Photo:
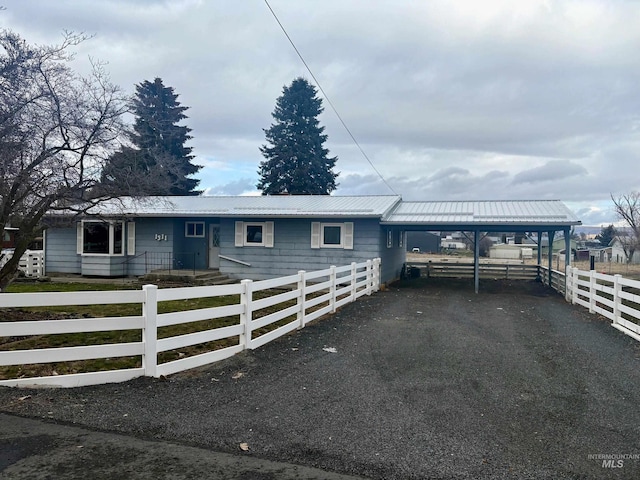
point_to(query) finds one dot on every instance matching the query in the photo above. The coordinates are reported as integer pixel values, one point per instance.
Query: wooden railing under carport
(505, 271)
(466, 270)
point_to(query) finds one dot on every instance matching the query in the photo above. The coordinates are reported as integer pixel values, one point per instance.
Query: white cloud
(450, 99)
(551, 171)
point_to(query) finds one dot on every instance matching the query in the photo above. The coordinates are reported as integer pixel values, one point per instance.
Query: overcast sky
(451, 100)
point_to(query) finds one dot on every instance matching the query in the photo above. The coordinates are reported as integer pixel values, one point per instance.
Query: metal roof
(500, 212)
(391, 209)
(261, 206)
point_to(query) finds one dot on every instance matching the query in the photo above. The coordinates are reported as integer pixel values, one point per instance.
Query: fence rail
(612, 296)
(553, 278)
(298, 299)
(170, 261)
(466, 270)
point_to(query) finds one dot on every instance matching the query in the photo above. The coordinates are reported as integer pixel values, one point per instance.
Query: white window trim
(346, 235)
(389, 238)
(267, 234)
(80, 239)
(195, 224)
(332, 245)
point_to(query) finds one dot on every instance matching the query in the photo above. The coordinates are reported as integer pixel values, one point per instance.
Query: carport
(512, 216)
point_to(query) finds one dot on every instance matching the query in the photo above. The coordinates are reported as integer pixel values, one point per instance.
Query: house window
(332, 235)
(254, 234)
(194, 229)
(389, 238)
(101, 238)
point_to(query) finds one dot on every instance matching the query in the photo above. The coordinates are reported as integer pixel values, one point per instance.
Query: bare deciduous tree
(56, 131)
(627, 208)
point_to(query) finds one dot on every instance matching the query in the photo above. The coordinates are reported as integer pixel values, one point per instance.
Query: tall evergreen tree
(296, 161)
(158, 145)
(606, 235)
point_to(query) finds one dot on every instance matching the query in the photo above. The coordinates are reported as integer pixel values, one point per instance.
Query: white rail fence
(612, 296)
(303, 297)
(31, 262)
(552, 278)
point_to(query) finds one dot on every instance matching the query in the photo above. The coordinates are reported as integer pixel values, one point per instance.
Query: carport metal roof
(486, 216)
(529, 215)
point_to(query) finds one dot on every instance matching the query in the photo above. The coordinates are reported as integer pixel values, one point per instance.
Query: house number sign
(161, 237)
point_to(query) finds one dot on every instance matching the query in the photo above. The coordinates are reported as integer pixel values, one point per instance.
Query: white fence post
(353, 281)
(332, 288)
(592, 291)
(376, 274)
(567, 283)
(616, 297)
(37, 262)
(150, 332)
(369, 277)
(302, 297)
(31, 262)
(246, 299)
(574, 284)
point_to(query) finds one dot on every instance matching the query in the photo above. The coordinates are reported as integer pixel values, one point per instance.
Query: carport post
(539, 252)
(567, 248)
(552, 233)
(476, 259)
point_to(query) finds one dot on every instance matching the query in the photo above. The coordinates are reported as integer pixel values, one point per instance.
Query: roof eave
(458, 225)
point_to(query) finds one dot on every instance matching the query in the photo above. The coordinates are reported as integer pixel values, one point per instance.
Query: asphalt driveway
(425, 381)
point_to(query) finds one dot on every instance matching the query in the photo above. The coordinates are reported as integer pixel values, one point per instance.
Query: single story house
(259, 237)
(600, 254)
(558, 244)
(254, 237)
(618, 254)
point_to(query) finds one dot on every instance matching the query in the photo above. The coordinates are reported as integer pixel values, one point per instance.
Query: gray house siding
(60, 253)
(292, 250)
(154, 245)
(190, 252)
(103, 266)
(153, 249)
(160, 243)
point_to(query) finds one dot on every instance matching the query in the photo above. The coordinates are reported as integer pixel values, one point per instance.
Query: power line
(327, 98)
